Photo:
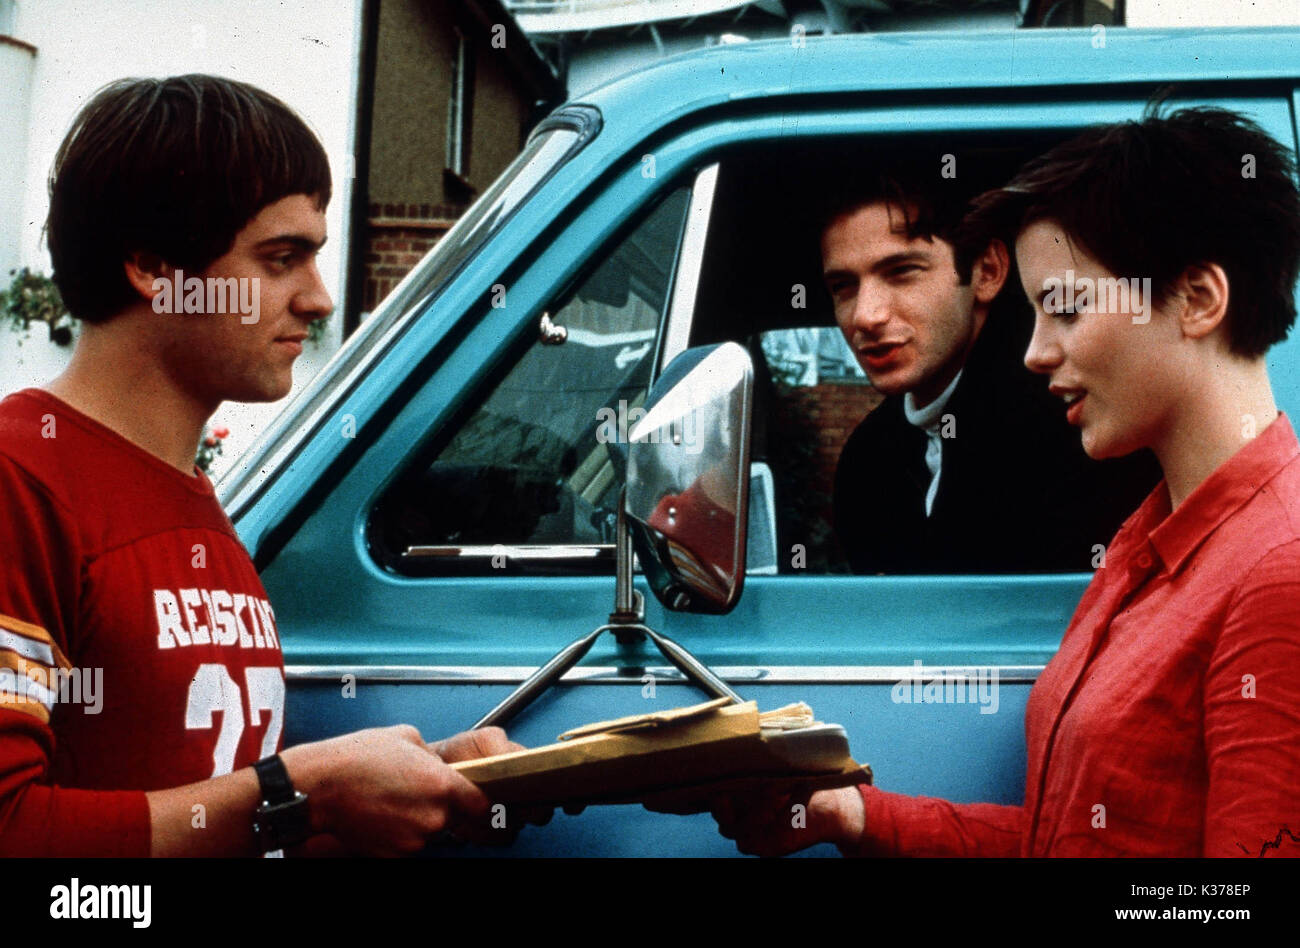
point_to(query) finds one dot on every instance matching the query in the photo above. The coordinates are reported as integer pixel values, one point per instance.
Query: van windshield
(292, 427)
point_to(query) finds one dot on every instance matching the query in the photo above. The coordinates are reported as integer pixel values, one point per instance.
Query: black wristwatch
(282, 819)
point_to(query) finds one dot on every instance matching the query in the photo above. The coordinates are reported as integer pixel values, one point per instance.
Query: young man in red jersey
(123, 586)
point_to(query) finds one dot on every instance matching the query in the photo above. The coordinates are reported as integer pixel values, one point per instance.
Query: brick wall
(807, 429)
(829, 413)
(398, 237)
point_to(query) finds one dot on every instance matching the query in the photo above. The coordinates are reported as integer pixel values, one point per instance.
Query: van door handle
(550, 334)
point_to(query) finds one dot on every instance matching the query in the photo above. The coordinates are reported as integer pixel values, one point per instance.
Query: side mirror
(685, 509)
(687, 498)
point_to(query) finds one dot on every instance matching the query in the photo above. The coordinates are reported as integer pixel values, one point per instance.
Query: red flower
(221, 432)
(210, 441)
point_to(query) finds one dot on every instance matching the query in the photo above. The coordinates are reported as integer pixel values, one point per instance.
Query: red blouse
(1168, 723)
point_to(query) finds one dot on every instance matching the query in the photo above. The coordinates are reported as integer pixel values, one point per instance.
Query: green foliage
(316, 330)
(33, 298)
(210, 447)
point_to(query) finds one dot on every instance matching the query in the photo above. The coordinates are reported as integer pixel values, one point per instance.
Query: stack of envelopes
(675, 759)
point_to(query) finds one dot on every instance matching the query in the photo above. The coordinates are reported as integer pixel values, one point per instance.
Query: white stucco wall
(16, 65)
(1213, 13)
(304, 51)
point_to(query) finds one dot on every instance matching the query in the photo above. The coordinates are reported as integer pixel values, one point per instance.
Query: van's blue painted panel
(781, 620)
(948, 750)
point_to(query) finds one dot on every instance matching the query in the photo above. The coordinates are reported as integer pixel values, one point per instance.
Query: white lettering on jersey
(169, 619)
(245, 640)
(223, 616)
(255, 623)
(198, 631)
(213, 690)
(217, 616)
(268, 623)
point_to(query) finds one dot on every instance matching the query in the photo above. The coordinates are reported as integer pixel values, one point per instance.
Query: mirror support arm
(539, 681)
(627, 622)
(629, 605)
(695, 670)
(549, 674)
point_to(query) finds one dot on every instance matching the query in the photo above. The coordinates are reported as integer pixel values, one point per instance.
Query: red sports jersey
(137, 649)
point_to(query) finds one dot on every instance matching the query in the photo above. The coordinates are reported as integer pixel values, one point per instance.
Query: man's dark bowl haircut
(1150, 198)
(173, 167)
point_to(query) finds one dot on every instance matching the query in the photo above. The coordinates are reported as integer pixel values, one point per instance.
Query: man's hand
(381, 792)
(770, 824)
(471, 745)
(501, 824)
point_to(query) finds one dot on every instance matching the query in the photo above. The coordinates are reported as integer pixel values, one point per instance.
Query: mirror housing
(687, 497)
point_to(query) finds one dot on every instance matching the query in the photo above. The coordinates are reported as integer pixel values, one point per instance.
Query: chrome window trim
(606, 675)
(690, 264)
(528, 553)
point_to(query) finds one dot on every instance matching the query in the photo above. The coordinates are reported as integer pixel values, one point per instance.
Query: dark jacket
(1017, 493)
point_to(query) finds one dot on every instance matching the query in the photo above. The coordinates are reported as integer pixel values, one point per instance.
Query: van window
(853, 482)
(527, 476)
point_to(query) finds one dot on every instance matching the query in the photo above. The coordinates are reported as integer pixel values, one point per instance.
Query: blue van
(436, 515)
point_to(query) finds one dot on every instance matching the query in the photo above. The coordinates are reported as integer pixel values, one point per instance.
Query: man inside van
(124, 587)
(969, 464)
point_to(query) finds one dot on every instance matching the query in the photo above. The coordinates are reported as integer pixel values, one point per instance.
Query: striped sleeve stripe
(25, 647)
(30, 641)
(20, 687)
(9, 702)
(28, 657)
(12, 702)
(24, 681)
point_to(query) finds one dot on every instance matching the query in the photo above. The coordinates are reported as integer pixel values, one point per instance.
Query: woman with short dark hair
(1161, 257)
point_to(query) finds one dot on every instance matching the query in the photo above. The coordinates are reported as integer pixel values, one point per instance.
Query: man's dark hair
(1151, 198)
(929, 204)
(173, 167)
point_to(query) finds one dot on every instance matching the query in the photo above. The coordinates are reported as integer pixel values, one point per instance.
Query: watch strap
(273, 777)
(282, 819)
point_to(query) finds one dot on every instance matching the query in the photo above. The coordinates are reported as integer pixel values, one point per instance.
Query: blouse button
(1144, 560)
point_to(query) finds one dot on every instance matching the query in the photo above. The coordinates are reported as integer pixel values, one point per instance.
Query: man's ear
(143, 270)
(989, 271)
(1201, 293)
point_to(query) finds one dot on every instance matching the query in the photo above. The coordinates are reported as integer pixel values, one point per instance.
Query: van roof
(941, 60)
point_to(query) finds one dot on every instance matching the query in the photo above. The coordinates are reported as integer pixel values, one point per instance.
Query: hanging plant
(316, 330)
(210, 447)
(33, 298)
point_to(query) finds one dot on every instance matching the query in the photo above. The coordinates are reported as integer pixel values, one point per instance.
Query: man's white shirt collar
(927, 419)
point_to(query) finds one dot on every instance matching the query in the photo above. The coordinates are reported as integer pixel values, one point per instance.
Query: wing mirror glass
(687, 497)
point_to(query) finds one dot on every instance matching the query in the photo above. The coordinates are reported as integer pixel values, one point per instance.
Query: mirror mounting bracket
(627, 623)
(629, 604)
